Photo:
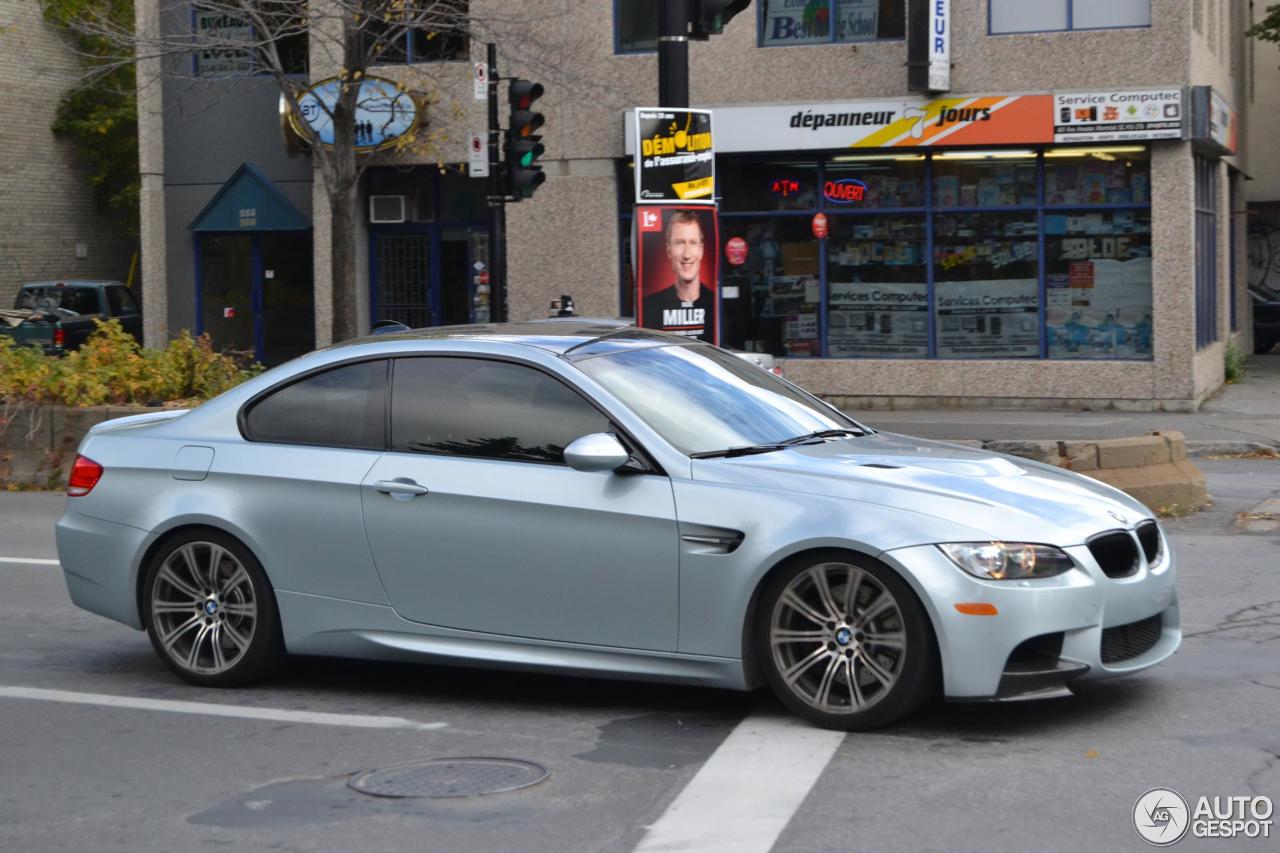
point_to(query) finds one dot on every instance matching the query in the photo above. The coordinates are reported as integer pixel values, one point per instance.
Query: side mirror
(599, 451)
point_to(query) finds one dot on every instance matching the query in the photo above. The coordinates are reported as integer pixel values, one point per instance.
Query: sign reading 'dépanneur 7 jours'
(674, 157)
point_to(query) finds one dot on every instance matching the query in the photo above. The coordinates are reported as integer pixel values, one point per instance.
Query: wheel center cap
(844, 636)
(210, 606)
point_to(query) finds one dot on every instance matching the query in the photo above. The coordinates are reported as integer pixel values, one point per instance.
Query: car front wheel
(844, 643)
(210, 611)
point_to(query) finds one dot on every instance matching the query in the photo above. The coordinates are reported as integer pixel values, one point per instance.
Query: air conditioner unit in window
(386, 209)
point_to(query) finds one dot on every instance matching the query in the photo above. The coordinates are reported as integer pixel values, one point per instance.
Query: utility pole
(497, 202)
(673, 53)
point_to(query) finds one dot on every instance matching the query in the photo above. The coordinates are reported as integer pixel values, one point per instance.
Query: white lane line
(748, 790)
(30, 561)
(213, 709)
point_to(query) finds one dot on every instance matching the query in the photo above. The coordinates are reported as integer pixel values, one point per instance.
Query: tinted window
(120, 301)
(492, 409)
(343, 407)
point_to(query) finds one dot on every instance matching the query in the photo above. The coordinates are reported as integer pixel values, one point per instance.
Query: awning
(249, 201)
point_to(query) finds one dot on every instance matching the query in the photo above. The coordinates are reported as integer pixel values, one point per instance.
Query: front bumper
(1064, 621)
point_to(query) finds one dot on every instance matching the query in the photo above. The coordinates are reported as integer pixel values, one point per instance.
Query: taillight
(60, 337)
(85, 474)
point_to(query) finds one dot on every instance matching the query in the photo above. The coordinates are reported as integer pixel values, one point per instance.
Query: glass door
(226, 290)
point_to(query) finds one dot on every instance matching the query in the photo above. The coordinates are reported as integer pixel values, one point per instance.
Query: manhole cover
(450, 777)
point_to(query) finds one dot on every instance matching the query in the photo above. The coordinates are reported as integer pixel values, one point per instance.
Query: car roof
(560, 335)
(71, 282)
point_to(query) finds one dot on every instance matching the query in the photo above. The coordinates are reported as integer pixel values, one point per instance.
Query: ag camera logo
(1160, 816)
(1163, 817)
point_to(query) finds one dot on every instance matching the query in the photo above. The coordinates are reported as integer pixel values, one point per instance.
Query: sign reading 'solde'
(674, 158)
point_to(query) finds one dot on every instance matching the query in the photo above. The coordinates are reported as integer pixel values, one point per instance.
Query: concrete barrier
(38, 444)
(1152, 468)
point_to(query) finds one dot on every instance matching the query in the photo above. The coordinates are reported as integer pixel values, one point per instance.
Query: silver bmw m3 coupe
(588, 499)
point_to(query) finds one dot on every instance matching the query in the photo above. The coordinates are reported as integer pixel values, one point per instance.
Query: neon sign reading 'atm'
(844, 190)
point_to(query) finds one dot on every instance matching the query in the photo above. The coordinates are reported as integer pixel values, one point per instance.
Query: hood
(1005, 497)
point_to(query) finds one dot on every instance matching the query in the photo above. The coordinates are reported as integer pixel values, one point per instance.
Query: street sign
(478, 164)
(480, 75)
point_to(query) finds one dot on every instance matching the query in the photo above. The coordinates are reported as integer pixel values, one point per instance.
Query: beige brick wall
(46, 204)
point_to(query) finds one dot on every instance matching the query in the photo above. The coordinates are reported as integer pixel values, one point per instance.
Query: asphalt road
(1047, 775)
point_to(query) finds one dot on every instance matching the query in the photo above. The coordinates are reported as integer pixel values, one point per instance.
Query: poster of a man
(677, 270)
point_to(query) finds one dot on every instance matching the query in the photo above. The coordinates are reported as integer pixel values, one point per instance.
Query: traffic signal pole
(497, 202)
(673, 53)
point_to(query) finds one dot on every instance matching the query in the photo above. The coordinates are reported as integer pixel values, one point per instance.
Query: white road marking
(746, 793)
(30, 561)
(213, 709)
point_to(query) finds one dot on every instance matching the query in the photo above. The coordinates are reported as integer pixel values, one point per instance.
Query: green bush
(111, 368)
(1236, 363)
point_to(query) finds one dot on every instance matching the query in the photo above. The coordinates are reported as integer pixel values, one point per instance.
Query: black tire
(849, 654)
(211, 624)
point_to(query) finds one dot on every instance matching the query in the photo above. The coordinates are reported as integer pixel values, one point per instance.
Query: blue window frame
(784, 23)
(1009, 17)
(1059, 238)
(635, 26)
(1206, 178)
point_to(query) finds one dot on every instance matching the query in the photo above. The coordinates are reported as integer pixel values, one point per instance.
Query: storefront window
(877, 287)
(986, 285)
(770, 303)
(756, 185)
(984, 179)
(1119, 175)
(874, 181)
(1098, 284)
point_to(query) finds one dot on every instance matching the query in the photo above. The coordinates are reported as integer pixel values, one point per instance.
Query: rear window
(343, 407)
(67, 301)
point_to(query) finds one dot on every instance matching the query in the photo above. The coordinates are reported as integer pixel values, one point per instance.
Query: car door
(476, 523)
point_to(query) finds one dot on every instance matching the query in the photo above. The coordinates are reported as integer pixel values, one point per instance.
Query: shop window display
(1120, 175)
(770, 302)
(877, 287)
(984, 179)
(1098, 284)
(986, 285)
(767, 185)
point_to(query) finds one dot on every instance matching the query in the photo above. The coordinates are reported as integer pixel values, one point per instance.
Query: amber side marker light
(85, 474)
(977, 608)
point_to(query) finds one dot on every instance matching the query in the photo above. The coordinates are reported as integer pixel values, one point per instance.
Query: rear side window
(490, 409)
(342, 407)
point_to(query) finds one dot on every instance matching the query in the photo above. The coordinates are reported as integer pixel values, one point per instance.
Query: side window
(128, 304)
(115, 306)
(343, 407)
(490, 409)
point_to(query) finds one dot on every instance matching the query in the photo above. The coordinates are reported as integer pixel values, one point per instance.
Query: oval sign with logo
(820, 227)
(736, 251)
(384, 113)
(844, 191)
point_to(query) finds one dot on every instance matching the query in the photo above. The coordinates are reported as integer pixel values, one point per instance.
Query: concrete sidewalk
(1241, 418)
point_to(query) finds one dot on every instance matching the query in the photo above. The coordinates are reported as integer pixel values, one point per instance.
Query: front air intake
(1116, 553)
(1125, 642)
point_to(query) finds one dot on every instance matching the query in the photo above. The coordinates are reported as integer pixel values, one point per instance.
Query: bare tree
(298, 42)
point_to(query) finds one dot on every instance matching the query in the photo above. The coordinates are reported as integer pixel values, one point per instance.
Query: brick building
(49, 228)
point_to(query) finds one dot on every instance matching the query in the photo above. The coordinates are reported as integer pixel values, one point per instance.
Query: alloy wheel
(203, 608)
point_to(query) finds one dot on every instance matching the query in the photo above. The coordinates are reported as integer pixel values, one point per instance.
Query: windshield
(703, 399)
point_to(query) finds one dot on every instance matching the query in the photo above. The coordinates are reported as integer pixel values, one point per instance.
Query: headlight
(1008, 561)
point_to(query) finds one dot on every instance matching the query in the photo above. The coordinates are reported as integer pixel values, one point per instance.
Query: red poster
(676, 262)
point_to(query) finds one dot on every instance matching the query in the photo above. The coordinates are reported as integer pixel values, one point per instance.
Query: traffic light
(523, 146)
(708, 17)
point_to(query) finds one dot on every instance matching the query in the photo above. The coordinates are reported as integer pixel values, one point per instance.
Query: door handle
(400, 487)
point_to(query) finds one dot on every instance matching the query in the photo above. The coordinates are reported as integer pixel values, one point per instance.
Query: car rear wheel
(210, 611)
(844, 643)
